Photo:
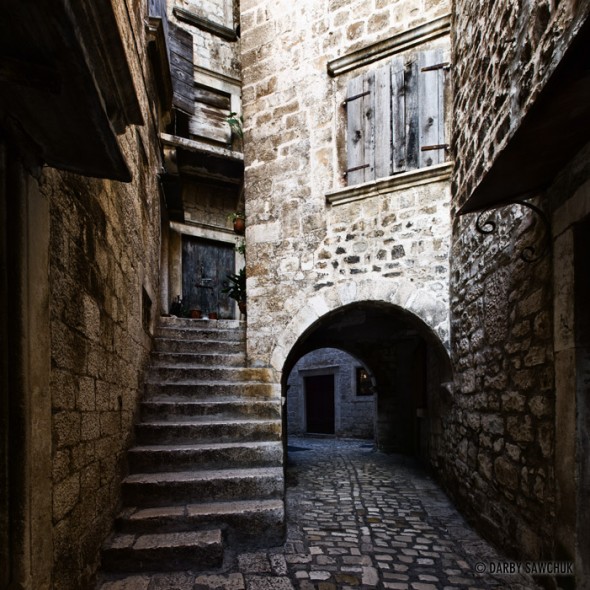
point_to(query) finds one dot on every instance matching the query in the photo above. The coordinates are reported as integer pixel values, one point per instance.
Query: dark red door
(319, 403)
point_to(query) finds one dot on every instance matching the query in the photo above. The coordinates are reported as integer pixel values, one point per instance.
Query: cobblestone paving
(357, 520)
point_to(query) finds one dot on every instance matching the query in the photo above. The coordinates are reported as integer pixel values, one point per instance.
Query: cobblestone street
(357, 519)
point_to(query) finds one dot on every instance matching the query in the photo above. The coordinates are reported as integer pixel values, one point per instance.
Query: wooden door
(319, 403)
(205, 266)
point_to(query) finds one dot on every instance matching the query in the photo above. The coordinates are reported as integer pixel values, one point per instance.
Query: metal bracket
(440, 146)
(354, 97)
(485, 226)
(355, 168)
(442, 66)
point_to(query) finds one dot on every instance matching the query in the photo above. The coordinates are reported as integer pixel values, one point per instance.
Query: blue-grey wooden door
(205, 266)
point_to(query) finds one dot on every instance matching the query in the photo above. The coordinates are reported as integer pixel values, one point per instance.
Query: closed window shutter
(395, 117)
(382, 122)
(431, 87)
(181, 66)
(360, 135)
(398, 116)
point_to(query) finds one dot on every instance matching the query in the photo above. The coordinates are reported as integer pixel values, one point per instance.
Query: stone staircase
(207, 467)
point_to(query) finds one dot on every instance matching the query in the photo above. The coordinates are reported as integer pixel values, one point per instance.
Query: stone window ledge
(397, 182)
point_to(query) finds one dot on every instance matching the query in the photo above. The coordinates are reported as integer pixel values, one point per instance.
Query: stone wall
(510, 419)
(354, 415)
(103, 281)
(210, 51)
(500, 430)
(305, 256)
(511, 49)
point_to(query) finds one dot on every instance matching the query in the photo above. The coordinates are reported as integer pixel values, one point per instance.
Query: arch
(404, 355)
(432, 312)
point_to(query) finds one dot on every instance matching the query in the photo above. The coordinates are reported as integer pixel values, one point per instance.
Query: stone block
(66, 495)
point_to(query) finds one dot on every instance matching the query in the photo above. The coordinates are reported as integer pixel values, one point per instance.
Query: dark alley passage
(356, 519)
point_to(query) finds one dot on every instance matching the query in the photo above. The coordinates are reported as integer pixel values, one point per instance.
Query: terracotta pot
(212, 315)
(239, 226)
(195, 314)
(242, 307)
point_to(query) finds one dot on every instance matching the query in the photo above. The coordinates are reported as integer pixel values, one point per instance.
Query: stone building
(415, 180)
(330, 393)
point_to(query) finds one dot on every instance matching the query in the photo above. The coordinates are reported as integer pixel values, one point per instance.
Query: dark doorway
(319, 404)
(205, 266)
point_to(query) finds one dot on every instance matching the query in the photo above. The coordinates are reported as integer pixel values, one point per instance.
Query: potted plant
(236, 124)
(239, 222)
(236, 289)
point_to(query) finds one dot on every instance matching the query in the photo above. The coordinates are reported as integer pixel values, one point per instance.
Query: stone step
(150, 490)
(159, 458)
(182, 373)
(194, 345)
(205, 331)
(162, 359)
(242, 521)
(175, 322)
(181, 409)
(164, 432)
(205, 390)
(198, 550)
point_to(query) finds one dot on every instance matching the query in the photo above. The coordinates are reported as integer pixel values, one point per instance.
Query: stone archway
(407, 360)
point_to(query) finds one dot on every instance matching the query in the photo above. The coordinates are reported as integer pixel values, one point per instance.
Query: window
(396, 118)
(363, 382)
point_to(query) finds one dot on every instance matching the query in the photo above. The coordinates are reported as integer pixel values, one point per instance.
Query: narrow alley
(357, 519)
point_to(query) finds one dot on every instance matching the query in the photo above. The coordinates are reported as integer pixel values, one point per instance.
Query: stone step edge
(199, 475)
(205, 446)
(211, 421)
(201, 549)
(203, 509)
(215, 403)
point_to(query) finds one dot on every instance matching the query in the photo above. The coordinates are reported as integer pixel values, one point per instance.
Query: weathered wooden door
(205, 266)
(319, 403)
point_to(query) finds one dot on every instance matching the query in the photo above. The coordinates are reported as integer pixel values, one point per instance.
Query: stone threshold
(397, 182)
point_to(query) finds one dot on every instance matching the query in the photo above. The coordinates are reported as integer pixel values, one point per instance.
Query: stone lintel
(401, 42)
(397, 182)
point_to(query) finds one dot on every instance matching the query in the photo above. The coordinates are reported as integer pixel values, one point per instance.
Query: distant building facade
(330, 393)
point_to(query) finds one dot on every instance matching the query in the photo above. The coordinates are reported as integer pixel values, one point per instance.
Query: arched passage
(408, 364)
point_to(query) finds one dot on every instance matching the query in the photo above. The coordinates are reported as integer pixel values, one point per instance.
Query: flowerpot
(195, 314)
(212, 315)
(242, 307)
(240, 226)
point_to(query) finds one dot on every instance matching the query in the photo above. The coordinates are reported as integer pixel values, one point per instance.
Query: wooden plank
(431, 115)
(382, 122)
(368, 102)
(398, 115)
(181, 69)
(210, 123)
(411, 75)
(213, 97)
(355, 144)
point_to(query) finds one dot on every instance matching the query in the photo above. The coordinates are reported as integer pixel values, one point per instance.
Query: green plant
(236, 124)
(237, 286)
(241, 247)
(236, 215)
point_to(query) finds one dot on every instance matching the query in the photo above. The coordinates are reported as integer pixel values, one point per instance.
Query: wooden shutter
(395, 117)
(398, 116)
(360, 129)
(431, 116)
(181, 64)
(382, 122)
